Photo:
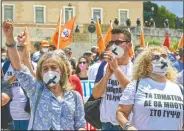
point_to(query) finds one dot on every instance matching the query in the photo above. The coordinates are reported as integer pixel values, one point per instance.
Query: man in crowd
(94, 50)
(115, 78)
(68, 53)
(92, 71)
(89, 56)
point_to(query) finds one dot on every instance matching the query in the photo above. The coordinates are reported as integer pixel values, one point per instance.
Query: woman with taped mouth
(152, 95)
(53, 105)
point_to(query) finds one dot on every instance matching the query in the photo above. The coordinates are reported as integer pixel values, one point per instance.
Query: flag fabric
(108, 35)
(54, 38)
(100, 41)
(142, 42)
(166, 41)
(180, 45)
(173, 50)
(65, 34)
(131, 51)
(27, 41)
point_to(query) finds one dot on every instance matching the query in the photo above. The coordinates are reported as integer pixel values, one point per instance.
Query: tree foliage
(159, 15)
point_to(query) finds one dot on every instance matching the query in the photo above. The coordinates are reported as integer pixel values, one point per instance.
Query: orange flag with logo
(100, 40)
(180, 45)
(27, 41)
(65, 34)
(108, 35)
(166, 41)
(142, 42)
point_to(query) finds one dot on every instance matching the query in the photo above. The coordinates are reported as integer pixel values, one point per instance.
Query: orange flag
(100, 41)
(166, 41)
(131, 51)
(27, 41)
(54, 38)
(180, 45)
(65, 35)
(142, 42)
(108, 35)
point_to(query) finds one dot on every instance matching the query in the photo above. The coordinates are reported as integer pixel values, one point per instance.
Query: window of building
(8, 12)
(39, 14)
(123, 15)
(97, 12)
(69, 12)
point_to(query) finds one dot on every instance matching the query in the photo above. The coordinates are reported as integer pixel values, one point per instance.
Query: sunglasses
(116, 42)
(157, 57)
(84, 62)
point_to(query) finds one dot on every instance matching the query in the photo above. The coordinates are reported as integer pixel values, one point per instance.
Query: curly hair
(143, 66)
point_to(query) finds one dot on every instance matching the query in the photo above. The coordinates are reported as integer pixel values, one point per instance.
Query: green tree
(160, 14)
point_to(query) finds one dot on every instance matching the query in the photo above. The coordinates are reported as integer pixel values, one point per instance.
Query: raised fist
(8, 28)
(21, 38)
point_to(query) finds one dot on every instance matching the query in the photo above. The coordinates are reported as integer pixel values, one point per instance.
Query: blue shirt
(64, 114)
(178, 65)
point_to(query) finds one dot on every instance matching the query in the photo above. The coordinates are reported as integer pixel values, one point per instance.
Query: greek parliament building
(41, 17)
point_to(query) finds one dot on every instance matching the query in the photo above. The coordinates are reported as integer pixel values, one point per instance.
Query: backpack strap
(181, 88)
(36, 105)
(137, 84)
(5, 66)
(100, 72)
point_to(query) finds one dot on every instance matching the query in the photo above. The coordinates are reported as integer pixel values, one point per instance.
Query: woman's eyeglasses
(157, 57)
(84, 62)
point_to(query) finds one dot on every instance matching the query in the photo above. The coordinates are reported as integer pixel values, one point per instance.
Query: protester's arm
(6, 90)
(99, 87)
(122, 114)
(5, 98)
(126, 104)
(123, 80)
(23, 75)
(27, 61)
(12, 51)
(12, 79)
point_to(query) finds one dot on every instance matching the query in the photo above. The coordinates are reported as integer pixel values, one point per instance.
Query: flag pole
(59, 29)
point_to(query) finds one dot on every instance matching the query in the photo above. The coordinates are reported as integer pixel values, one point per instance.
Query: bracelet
(126, 125)
(11, 45)
(20, 47)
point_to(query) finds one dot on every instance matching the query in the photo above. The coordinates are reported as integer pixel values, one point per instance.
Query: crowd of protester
(43, 90)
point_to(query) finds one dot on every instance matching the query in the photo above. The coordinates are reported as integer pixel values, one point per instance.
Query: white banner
(87, 87)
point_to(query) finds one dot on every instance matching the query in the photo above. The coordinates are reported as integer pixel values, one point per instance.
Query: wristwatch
(126, 125)
(11, 45)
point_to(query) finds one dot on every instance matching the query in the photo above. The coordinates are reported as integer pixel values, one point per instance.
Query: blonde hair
(143, 66)
(62, 55)
(64, 82)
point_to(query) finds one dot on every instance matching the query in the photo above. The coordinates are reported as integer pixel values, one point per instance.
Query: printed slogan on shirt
(173, 104)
